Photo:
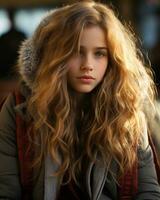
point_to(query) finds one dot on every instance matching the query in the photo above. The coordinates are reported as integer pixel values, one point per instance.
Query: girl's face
(87, 68)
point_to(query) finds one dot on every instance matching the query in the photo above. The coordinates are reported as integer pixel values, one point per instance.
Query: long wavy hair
(109, 123)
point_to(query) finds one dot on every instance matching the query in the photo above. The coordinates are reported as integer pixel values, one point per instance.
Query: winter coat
(102, 185)
(45, 186)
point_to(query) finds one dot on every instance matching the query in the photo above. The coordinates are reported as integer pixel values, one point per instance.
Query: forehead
(93, 36)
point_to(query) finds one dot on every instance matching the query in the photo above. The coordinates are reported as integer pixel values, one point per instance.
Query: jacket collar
(51, 183)
(97, 178)
(21, 108)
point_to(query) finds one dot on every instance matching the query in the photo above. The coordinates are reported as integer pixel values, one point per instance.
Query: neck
(78, 98)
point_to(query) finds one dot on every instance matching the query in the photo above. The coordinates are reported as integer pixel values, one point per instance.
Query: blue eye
(100, 53)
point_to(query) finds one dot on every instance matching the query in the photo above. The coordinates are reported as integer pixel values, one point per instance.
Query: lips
(86, 77)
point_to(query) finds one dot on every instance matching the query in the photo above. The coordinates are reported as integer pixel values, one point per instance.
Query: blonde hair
(111, 119)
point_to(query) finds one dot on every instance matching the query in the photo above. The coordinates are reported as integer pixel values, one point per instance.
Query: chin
(87, 90)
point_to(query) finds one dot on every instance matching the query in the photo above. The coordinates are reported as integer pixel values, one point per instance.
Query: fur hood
(28, 54)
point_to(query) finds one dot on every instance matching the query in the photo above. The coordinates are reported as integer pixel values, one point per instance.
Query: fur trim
(28, 54)
(27, 61)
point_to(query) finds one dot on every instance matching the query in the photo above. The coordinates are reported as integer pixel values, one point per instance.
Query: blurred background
(19, 18)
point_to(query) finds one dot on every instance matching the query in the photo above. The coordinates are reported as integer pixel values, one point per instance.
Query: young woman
(85, 87)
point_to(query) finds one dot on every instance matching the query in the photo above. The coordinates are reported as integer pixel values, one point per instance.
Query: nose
(87, 64)
(86, 67)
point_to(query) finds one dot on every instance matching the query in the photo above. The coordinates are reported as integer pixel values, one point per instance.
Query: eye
(101, 53)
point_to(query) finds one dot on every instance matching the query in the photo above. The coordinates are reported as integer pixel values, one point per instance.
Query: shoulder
(7, 110)
(12, 107)
(9, 178)
(8, 126)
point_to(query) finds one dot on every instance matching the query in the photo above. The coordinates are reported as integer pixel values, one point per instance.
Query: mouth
(86, 77)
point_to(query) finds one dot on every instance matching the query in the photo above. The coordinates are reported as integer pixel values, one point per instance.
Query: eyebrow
(105, 48)
(100, 48)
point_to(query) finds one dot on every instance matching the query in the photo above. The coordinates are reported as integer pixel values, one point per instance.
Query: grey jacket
(103, 186)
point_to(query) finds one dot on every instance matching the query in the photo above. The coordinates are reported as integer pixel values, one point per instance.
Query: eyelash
(100, 54)
(97, 53)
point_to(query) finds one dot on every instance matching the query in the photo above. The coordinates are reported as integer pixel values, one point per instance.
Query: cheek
(102, 68)
(72, 66)
(73, 63)
(72, 69)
